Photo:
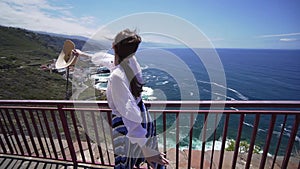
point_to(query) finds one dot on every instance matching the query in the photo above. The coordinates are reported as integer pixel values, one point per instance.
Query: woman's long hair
(126, 47)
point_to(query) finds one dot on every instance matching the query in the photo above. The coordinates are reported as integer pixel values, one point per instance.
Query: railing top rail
(53, 102)
(235, 103)
(205, 103)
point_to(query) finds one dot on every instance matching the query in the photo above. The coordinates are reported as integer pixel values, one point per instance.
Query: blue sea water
(250, 74)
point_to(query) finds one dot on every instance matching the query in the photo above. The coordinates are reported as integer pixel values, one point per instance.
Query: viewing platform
(77, 134)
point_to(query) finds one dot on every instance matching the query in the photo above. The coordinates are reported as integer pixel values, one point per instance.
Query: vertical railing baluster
(58, 135)
(49, 134)
(12, 125)
(109, 118)
(5, 134)
(37, 133)
(177, 140)
(66, 129)
(44, 134)
(164, 134)
(9, 133)
(1, 143)
(97, 137)
(21, 131)
(154, 121)
(77, 135)
(104, 135)
(268, 141)
(279, 140)
(30, 132)
(213, 146)
(191, 140)
(253, 138)
(86, 131)
(203, 140)
(224, 137)
(237, 141)
(291, 142)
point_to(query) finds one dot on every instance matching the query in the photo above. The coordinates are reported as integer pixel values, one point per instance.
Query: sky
(270, 24)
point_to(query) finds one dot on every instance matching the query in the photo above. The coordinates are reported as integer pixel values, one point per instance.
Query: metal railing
(193, 134)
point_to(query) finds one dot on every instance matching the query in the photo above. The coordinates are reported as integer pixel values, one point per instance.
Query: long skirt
(128, 155)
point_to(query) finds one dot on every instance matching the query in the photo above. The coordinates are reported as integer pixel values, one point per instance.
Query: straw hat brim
(66, 57)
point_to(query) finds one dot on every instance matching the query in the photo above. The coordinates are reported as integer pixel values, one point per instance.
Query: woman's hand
(154, 156)
(76, 52)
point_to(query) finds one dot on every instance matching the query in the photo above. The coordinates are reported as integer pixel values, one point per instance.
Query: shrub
(243, 147)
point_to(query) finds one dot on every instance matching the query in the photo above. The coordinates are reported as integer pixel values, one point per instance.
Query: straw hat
(66, 57)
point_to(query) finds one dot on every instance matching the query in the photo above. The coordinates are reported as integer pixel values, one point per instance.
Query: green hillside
(22, 53)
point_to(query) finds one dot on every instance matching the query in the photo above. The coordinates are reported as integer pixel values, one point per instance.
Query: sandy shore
(227, 160)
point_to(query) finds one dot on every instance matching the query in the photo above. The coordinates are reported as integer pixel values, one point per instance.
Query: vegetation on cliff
(22, 52)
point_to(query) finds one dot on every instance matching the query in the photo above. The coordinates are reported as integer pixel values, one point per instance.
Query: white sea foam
(224, 96)
(233, 108)
(262, 130)
(162, 83)
(297, 139)
(238, 94)
(144, 67)
(287, 132)
(250, 125)
(210, 145)
(242, 97)
(148, 93)
(197, 145)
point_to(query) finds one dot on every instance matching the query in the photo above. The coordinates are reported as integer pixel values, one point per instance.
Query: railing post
(67, 133)
(291, 142)
(268, 141)
(223, 140)
(237, 142)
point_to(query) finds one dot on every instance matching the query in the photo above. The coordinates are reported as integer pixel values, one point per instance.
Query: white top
(124, 104)
(120, 98)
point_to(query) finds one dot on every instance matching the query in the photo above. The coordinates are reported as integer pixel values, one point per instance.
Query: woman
(133, 130)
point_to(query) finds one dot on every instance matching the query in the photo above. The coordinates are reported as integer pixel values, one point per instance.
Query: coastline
(228, 156)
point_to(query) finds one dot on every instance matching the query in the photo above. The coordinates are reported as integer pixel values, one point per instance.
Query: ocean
(250, 74)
